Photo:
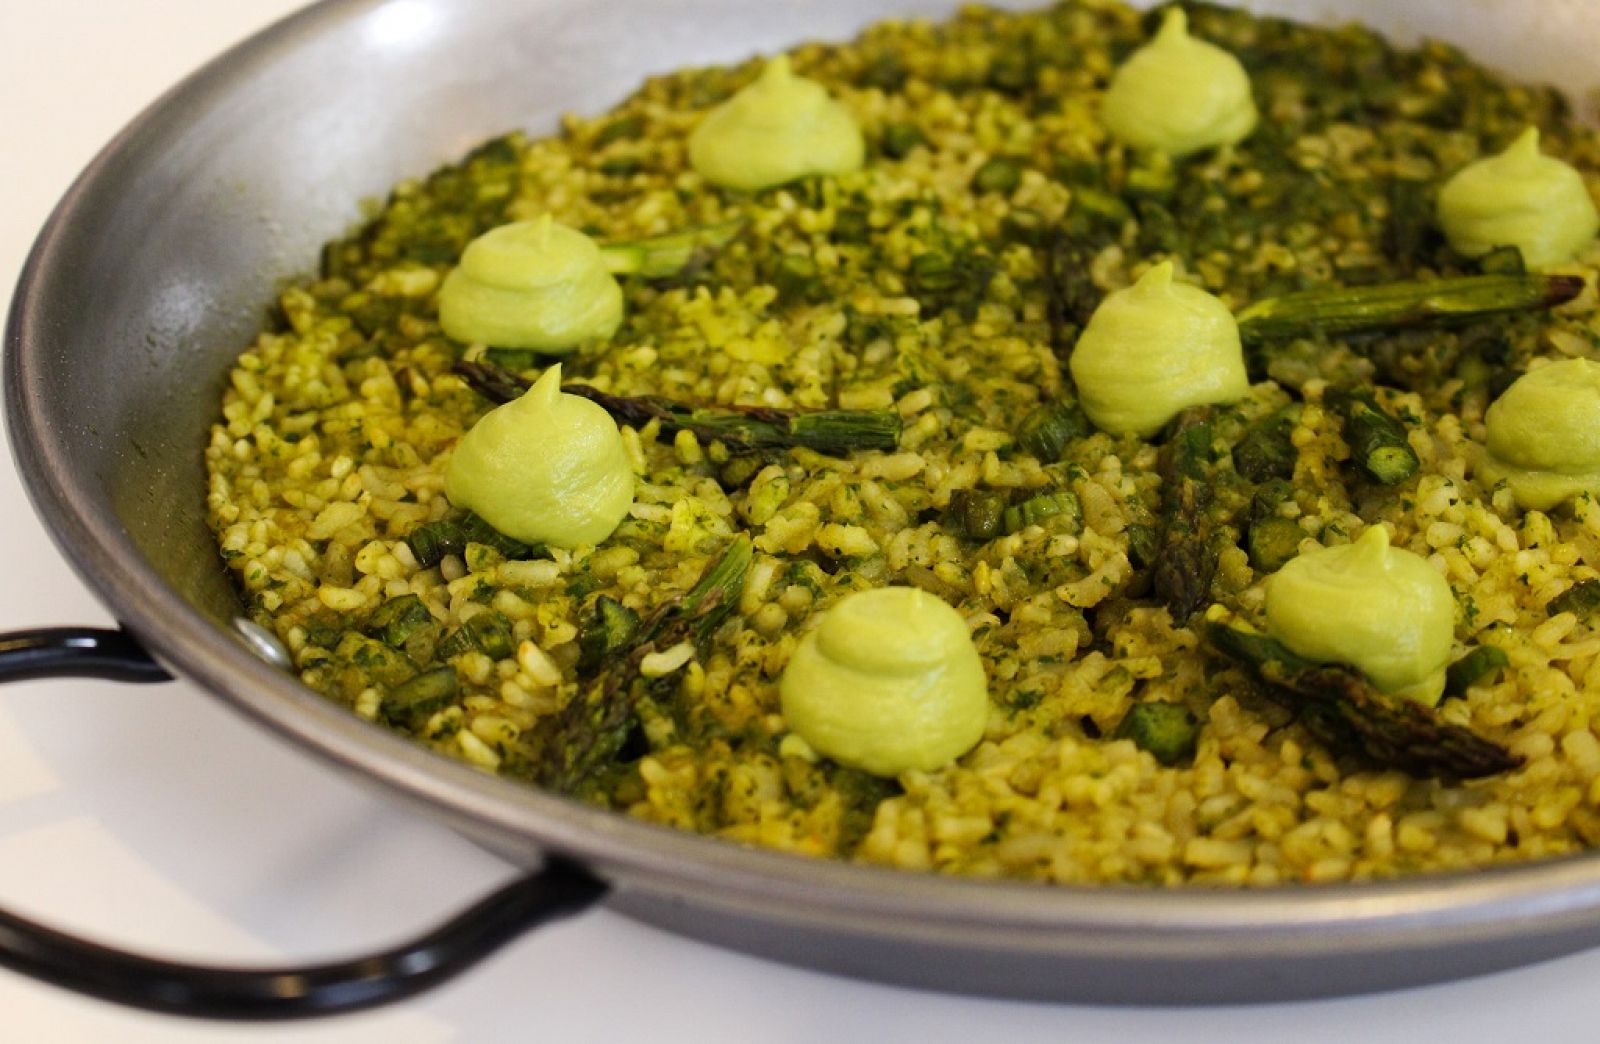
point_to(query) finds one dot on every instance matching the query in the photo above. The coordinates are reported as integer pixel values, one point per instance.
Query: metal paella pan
(107, 444)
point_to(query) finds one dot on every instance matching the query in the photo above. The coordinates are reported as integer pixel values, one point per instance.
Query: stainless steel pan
(157, 267)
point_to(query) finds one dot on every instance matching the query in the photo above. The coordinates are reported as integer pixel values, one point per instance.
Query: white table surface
(157, 818)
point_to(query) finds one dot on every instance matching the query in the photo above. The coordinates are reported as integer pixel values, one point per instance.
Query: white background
(156, 818)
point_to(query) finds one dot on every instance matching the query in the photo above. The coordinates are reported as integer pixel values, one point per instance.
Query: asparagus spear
(739, 428)
(1342, 311)
(1072, 296)
(661, 257)
(1338, 705)
(1186, 561)
(1377, 440)
(592, 728)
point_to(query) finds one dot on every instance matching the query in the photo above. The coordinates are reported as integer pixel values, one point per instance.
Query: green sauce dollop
(889, 682)
(1544, 434)
(1179, 95)
(1520, 198)
(779, 128)
(1382, 610)
(547, 468)
(531, 284)
(1153, 350)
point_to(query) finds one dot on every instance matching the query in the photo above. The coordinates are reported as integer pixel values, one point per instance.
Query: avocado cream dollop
(1380, 609)
(531, 284)
(1179, 95)
(1544, 434)
(1520, 198)
(779, 128)
(1152, 351)
(546, 468)
(889, 682)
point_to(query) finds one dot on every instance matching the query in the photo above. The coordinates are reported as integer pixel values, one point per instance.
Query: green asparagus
(1482, 663)
(1035, 510)
(411, 703)
(1341, 708)
(1377, 440)
(590, 731)
(1343, 311)
(977, 514)
(1266, 451)
(673, 254)
(1168, 731)
(397, 619)
(741, 429)
(1046, 431)
(1186, 556)
(1581, 599)
(488, 633)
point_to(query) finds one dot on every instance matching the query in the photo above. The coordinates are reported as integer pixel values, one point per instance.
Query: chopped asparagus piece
(611, 628)
(1506, 260)
(796, 277)
(660, 257)
(1266, 451)
(741, 429)
(477, 531)
(1035, 510)
(1025, 225)
(900, 138)
(1343, 311)
(934, 272)
(383, 665)
(397, 619)
(432, 541)
(1476, 666)
(1046, 431)
(1100, 206)
(488, 633)
(413, 702)
(1272, 542)
(623, 128)
(1168, 731)
(1378, 442)
(977, 514)
(1341, 708)
(1581, 599)
(997, 175)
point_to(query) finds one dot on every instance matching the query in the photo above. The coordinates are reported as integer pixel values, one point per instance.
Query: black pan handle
(560, 889)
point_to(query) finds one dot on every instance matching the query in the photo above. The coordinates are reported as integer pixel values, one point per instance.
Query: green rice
(929, 298)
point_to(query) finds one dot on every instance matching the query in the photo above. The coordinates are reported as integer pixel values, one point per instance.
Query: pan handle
(558, 890)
